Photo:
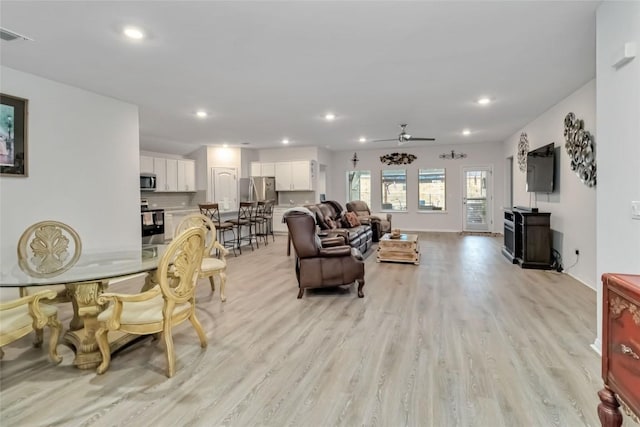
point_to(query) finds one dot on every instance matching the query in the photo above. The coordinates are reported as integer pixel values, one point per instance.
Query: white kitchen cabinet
(172, 219)
(278, 225)
(146, 164)
(263, 169)
(268, 169)
(186, 175)
(160, 169)
(171, 174)
(295, 176)
(256, 169)
(166, 171)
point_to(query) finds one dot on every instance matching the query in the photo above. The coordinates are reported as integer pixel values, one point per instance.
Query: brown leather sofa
(380, 222)
(325, 263)
(329, 219)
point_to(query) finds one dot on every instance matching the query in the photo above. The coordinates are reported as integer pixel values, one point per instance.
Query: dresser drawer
(623, 347)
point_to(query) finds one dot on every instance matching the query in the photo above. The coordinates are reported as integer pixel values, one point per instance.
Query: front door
(477, 197)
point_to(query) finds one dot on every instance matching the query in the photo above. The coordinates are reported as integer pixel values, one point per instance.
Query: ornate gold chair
(159, 309)
(212, 266)
(19, 317)
(47, 249)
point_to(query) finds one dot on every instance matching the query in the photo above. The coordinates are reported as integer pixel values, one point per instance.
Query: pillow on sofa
(331, 223)
(352, 219)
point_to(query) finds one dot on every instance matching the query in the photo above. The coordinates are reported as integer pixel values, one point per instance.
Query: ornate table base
(81, 336)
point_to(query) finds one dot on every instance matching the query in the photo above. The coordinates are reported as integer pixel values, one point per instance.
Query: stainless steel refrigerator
(263, 188)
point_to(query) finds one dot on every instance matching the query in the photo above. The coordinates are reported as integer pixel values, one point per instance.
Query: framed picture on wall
(13, 135)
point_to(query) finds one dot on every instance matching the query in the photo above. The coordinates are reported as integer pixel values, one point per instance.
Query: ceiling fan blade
(383, 140)
(420, 139)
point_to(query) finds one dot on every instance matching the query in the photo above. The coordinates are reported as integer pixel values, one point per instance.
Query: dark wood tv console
(527, 238)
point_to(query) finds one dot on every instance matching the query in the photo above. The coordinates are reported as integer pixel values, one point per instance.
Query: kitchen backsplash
(170, 200)
(173, 200)
(296, 198)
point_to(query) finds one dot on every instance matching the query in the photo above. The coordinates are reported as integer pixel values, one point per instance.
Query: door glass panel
(476, 212)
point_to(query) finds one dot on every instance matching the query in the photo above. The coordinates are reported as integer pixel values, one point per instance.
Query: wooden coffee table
(403, 249)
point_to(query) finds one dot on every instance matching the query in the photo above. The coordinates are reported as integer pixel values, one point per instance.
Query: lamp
(453, 155)
(355, 160)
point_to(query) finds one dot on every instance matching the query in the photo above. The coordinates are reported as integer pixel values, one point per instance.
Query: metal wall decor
(579, 146)
(397, 158)
(523, 149)
(355, 160)
(453, 155)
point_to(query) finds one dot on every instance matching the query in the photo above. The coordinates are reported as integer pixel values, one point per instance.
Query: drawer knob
(629, 352)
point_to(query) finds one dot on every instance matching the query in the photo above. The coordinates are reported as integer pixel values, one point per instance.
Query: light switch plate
(635, 209)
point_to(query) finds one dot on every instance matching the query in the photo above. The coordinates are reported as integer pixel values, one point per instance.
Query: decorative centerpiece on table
(395, 233)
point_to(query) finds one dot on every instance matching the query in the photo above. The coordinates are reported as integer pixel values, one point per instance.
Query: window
(394, 189)
(431, 186)
(359, 186)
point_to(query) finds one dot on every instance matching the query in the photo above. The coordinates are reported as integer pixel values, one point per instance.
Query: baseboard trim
(583, 282)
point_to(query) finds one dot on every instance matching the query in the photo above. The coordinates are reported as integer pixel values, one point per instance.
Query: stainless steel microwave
(147, 182)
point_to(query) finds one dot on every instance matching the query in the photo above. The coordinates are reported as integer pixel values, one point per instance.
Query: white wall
(572, 204)
(83, 153)
(287, 154)
(618, 149)
(427, 157)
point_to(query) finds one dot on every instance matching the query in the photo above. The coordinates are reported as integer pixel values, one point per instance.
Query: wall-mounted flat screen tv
(540, 169)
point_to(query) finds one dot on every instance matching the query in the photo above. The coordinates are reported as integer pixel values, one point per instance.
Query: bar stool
(212, 211)
(246, 211)
(261, 221)
(268, 220)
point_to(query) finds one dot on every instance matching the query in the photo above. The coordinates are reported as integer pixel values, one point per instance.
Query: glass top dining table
(84, 282)
(92, 266)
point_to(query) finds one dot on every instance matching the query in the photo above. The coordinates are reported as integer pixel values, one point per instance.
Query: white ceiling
(267, 70)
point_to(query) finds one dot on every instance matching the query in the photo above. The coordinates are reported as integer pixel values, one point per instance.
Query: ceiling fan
(404, 137)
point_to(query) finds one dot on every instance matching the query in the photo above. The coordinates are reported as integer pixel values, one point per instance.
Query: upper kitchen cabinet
(166, 171)
(186, 175)
(171, 174)
(263, 169)
(295, 176)
(146, 164)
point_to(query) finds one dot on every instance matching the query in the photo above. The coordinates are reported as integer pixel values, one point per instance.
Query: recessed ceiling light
(329, 116)
(466, 132)
(362, 139)
(202, 114)
(225, 145)
(133, 33)
(484, 100)
(285, 141)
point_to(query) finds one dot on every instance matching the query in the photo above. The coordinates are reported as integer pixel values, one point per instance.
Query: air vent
(9, 35)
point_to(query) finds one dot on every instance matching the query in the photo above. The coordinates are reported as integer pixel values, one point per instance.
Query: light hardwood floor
(463, 339)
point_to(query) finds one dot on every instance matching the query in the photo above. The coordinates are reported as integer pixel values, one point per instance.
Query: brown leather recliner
(380, 222)
(319, 263)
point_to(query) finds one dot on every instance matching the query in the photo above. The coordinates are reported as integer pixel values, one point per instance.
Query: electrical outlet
(577, 251)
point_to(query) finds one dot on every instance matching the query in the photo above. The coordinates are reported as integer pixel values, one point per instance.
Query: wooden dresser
(620, 348)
